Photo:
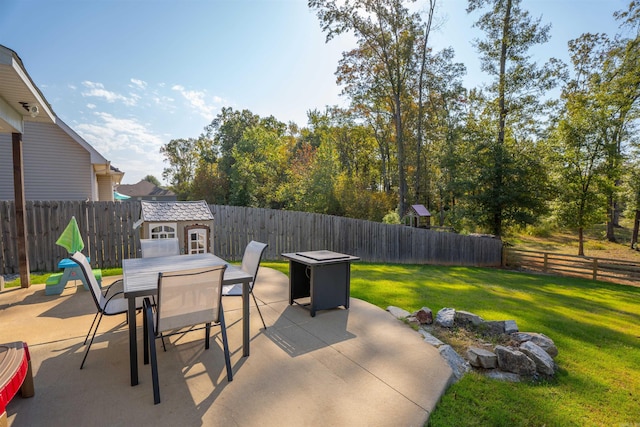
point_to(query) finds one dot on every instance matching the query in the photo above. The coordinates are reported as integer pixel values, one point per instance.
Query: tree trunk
(580, 242)
(497, 214)
(636, 225)
(611, 235)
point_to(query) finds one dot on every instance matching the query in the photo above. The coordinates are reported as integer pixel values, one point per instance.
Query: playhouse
(190, 222)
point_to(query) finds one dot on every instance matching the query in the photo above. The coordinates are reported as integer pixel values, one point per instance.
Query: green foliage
(391, 218)
(152, 179)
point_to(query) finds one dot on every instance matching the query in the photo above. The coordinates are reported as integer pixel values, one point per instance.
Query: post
(20, 207)
(595, 268)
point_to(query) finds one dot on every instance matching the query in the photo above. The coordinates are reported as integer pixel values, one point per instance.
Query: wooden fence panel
(109, 236)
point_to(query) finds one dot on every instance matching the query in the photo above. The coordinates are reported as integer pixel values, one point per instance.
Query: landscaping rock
(467, 319)
(398, 313)
(445, 317)
(510, 327)
(512, 360)
(428, 338)
(493, 327)
(503, 376)
(458, 365)
(544, 362)
(540, 340)
(481, 358)
(424, 316)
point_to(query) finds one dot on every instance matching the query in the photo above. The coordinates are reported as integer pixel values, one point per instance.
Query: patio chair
(250, 264)
(109, 301)
(152, 248)
(186, 299)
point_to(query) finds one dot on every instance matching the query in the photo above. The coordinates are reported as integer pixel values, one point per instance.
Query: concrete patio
(355, 367)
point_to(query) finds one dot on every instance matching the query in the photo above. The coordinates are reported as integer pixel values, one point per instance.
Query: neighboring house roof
(175, 211)
(143, 188)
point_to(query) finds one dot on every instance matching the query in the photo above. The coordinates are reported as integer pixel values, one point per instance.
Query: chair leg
(152, 350)
(91, 328)
(86, 352)
(225, 346)
(259, 312)
(207, 334)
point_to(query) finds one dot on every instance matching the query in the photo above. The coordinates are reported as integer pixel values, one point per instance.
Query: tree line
(485, 159)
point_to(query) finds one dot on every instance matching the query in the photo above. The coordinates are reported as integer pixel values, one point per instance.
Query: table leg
(133, 342)
(245, 319)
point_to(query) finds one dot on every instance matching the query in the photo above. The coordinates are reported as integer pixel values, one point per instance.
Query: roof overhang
(19, 96)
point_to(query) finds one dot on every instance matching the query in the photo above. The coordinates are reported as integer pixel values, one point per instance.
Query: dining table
(140, 279)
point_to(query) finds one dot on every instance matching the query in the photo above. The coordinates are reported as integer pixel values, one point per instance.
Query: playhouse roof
(175, 211)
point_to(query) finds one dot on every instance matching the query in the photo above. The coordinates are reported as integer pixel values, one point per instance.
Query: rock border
(530, 355)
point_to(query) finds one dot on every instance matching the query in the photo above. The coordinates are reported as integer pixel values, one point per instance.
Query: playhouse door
(197, 241)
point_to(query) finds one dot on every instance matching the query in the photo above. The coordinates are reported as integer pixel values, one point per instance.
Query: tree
(380, 68)
(152, 179)
(581, 160)
(182, 156)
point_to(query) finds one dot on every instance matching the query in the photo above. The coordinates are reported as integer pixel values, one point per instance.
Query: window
(163, 231)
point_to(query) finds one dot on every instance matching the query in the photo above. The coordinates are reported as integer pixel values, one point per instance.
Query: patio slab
(357, 367)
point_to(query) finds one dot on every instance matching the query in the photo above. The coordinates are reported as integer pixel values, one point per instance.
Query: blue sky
(129, 76)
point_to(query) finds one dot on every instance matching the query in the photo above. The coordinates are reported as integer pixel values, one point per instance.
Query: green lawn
(595, 325)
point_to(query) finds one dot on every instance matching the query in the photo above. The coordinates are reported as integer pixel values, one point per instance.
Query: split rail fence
(109, 236)
(606, 269)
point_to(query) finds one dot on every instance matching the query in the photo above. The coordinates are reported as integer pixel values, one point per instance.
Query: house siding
(105, 188)
(55, 166)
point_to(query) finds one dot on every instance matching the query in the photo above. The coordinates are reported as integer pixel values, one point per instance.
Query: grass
(595, 325)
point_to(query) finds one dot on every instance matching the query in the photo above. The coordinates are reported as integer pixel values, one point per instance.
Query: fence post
(546, 260)
(595, 268)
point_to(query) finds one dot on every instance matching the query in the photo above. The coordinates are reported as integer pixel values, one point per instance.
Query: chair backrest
(152, 248)
(94, 286)
(251, 258)
(189, 297)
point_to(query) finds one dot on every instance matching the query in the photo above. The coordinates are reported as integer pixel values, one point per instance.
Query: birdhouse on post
(419, 216)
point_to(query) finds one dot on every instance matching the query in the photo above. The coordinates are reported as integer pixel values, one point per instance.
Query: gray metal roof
(175, 211)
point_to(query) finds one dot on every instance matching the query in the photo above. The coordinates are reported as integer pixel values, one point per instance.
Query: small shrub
(391, 218)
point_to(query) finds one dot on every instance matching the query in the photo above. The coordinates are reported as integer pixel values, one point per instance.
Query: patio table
(140, 279)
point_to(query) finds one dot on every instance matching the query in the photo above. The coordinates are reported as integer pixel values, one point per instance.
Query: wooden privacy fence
(109, 236)
(613, 270)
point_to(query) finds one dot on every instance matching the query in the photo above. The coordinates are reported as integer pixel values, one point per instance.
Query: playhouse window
(163, 231)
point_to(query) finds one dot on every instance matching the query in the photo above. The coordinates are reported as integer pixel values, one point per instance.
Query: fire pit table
(322, 276)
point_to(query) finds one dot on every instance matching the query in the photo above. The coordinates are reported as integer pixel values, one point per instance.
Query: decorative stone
(467, 319)
(540, 340)
(445, 317)
(424, 316)
(502, 376)
(544, 362)
(398, 313)
(428, 338)
(458, 365)
(481, 358)
(510, 327)
(493, 327)
(512, 360)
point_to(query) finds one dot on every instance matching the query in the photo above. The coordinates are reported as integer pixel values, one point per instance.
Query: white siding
(55, 166)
